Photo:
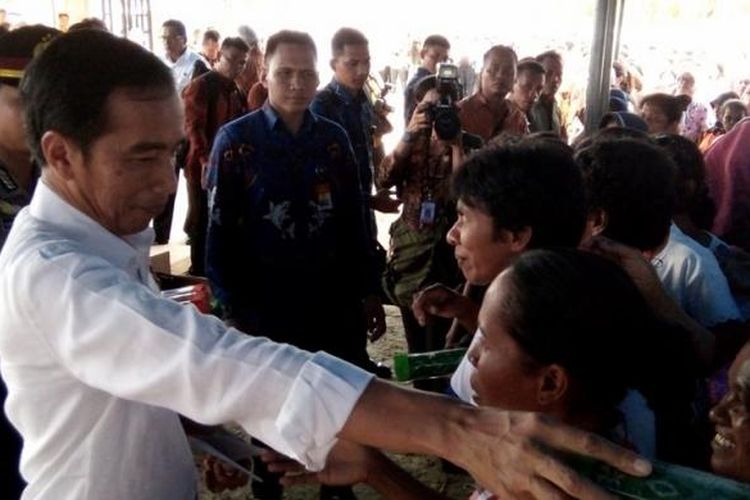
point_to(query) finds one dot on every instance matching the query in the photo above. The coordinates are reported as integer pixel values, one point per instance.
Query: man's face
(731, 417)
(291, 78)
(128, 175)
(12, 135)
(553, 72)
(211, 48)
(232, 61)
(432, 55)
(481, 252)
(174, 44)
(526, 89)
(498, 75)
(352, 67)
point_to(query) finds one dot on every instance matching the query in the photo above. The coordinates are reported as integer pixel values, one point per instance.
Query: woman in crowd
(663, 112)
(564, 333)
(728, 114)
(420, 168)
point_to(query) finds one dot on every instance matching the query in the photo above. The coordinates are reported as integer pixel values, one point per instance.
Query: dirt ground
(426, 469)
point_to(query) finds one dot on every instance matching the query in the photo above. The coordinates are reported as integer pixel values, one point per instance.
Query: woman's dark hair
(66, 87)
(526, 183)
(581, 311)
(671, 105)
(722, 98)
(690, 179)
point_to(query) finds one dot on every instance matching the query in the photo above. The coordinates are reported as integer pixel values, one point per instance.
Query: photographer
(420, 168)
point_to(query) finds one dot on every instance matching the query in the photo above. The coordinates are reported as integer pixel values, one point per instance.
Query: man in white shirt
(98, 366)
(178, 57)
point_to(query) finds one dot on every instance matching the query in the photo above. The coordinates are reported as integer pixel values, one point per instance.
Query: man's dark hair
(632, 181)
(502, 50)
(235, 42)
(344, 37)
(531, 65)
(212, 35)
(549, 54)
(436, 41)
(90, 23)
(289, 36)
(526, 183)
(66, 88)
(177, 26)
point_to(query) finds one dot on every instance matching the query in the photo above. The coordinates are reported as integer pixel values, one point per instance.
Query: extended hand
(439, 300)
(375, 317)
(347, 463)
(219, 477)
(517, 455)
(384, 202)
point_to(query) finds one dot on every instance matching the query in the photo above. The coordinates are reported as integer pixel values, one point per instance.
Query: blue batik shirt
(287, 234)
(356, 116)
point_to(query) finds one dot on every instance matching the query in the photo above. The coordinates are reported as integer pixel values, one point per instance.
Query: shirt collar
(274, 122)
(344, 94)
(129, 252)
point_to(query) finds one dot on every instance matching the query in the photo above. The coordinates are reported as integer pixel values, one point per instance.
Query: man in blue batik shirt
(344, 101)
(287, 250)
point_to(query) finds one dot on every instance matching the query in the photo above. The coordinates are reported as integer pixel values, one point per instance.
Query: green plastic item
(667, 481)
(423, 365)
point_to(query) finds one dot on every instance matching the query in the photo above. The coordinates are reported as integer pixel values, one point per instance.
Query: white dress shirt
(98, 366)
(691, 275)
(182, 68)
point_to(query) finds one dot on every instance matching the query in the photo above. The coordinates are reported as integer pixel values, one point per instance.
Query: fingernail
(642, 466)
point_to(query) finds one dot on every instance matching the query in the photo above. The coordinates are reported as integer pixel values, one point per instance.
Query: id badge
(323, 195)
(427, 213)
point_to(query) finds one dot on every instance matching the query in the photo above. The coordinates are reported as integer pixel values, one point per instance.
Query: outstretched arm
(509, 453)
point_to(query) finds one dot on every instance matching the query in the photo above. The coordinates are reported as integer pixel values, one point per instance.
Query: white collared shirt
(691, 275)
(98, 366)
(182, 68)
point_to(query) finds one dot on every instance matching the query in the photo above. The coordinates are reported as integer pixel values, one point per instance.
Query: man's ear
(520, 239)
(597, 221)
(264, 75)
(553, 385)
(333, 64)
(59, 153)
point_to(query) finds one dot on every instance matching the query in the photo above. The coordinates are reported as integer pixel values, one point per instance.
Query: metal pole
(618, 31)
(602, 48)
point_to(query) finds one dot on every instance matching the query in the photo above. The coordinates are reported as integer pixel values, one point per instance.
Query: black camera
(444, 114)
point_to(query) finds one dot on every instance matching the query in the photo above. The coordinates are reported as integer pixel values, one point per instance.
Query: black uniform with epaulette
(17, 49)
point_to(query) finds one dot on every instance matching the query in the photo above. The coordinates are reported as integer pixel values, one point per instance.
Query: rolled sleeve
(317, 407)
